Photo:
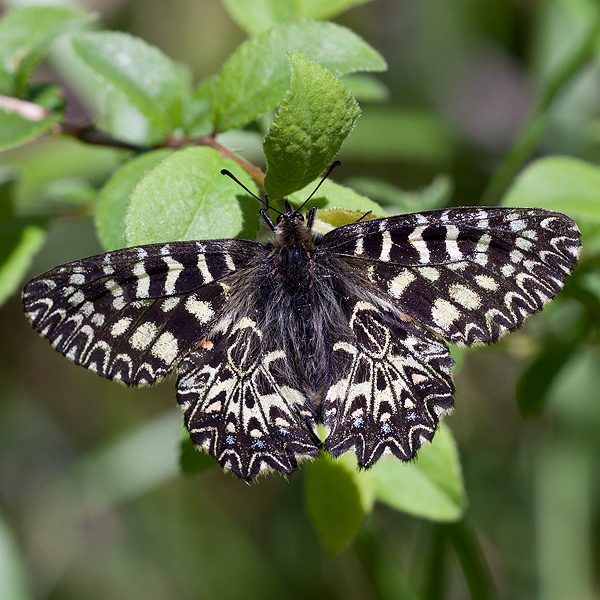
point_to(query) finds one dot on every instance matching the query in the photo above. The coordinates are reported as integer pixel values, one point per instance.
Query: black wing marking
(468, 274)
(392, 383)
(132, 314)
(241, 405)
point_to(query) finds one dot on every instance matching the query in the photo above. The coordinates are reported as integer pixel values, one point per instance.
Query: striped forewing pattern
(373, 301)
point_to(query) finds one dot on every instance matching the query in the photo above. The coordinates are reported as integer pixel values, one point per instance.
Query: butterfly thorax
(292, 250)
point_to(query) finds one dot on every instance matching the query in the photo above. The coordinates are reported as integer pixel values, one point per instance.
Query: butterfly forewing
(132, 314)
(468, 274)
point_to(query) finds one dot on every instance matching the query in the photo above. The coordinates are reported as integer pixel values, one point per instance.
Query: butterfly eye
(300, 217)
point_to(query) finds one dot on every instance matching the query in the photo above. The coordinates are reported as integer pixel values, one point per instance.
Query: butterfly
(348, 329)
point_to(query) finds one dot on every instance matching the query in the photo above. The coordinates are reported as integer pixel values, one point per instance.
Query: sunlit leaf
(185, 197)
(337, 497)
(149, 80)
(314, 119)
(114, 197)
(256, 77)
(430, 487)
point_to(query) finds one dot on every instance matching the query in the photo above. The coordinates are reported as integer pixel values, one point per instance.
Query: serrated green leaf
(337, 496)
(150, 81)
(185, 197)
(314, 119)
(259, 15)
(256, 77)
(25, 35)
(16, 130)
(333, 195)
(562, 183)
(392, 134)
(20, 239)
(430, 487)
(194, 460)
(114, 197)
(537, 379)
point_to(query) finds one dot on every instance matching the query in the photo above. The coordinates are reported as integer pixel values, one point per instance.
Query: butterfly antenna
(337, 163)
(264, 202)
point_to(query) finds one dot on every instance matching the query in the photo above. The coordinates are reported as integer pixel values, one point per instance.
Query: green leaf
(435, 195)
(259, 15)
(114, 197)
(561, 183)
(185, 197)
(535, 382)
(150, 81)
(324, 9)
(393, 134)
(25, 36)
(197, 111)
(20, 240)
(333, 195)
(337, 496)
(366, 87)
(194, 460)
(51, 159)
(314, 119)
(329, 218)
(256, 77)
(430, 487)
(16, 130)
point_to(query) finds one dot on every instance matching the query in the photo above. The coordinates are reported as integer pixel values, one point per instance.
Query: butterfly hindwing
(241, 405)
(132, 314)
(468, 274)
(392, 384)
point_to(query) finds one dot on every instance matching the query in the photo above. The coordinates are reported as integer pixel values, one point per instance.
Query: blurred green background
(92, 504)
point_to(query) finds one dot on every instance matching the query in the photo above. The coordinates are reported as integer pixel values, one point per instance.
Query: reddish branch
(91, 135)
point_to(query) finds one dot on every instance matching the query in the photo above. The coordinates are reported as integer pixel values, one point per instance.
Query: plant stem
(89, 134)
(472, 560)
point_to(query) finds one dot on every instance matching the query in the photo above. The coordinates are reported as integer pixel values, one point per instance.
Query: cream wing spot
(165, 348)
(444, 314)
(201, 309)
(486, 282)
(142, 337)
(203, 268)
(120, 327)
(465, 297)
(430, 273)
(419, 244)
(175, 268)
(398, 285)
(143, 281)
(386, 246)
